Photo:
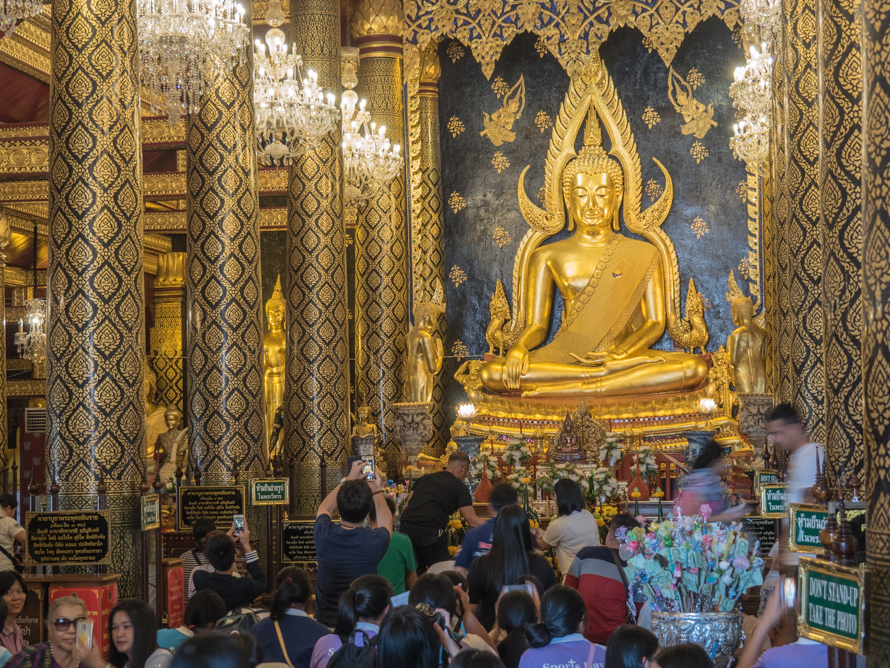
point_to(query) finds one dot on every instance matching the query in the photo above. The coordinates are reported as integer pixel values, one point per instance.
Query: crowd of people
(385, 599)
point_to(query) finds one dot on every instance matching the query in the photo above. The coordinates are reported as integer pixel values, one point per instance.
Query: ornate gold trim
(26, 388)
(175, 221)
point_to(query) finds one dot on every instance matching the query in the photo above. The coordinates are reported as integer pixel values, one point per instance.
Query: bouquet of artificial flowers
(602, 485)
(517, 453)
(647, 463)
(488, 463)
(612, 449)
(557, 471)
(689, 565)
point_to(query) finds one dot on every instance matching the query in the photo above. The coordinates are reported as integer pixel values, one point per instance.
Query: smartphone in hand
(238, 521)
(369, 471)
(84, 637)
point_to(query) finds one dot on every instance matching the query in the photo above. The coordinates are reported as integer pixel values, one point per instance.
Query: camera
(430, 613)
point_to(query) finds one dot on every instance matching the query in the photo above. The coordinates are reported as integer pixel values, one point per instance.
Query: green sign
(269, 492)
(151, 512)
(773, 500)
(765, 477)
(832, 604)
(806, 523)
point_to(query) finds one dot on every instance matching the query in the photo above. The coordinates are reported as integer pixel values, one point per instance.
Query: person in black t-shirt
(348, 550)
(435, 497)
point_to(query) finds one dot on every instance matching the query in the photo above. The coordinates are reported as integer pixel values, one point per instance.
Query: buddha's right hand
(515, 365)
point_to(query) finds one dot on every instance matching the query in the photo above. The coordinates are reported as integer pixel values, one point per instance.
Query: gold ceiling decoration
(570, 29)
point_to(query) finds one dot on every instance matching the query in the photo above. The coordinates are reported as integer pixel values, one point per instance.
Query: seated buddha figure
(615, 304)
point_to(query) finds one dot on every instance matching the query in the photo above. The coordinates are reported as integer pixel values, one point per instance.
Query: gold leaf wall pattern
(570, 30)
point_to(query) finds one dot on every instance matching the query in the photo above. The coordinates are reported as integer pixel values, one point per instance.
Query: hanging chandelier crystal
(370, 161)
(32, 344)
(13, 11)
(183, 43)
(751, 94)
(291, 115)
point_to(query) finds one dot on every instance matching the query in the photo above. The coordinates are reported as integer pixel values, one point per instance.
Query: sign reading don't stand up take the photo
(218, 503)
(832, 604)
(806, 521)
(67, 538)
(774, 500)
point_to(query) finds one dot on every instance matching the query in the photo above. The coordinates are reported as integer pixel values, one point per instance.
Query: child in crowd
(360, 612)
(203, 611)
(557, 639)
(684, 655)
(516, 612)
(631, 647)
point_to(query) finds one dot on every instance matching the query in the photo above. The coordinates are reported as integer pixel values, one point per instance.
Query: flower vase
(470, 446)
(719, 633)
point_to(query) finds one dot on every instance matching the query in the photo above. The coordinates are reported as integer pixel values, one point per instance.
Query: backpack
(351, 655)
(239, 619)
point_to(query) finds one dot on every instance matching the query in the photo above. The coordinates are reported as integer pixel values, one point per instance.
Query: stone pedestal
(754, 409)
(414, 427)
(470, 445)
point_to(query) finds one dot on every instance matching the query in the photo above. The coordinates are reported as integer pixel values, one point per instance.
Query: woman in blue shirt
(557, 640)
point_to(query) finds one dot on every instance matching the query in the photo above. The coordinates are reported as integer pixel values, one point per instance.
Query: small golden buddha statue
(425, 350)
(364, 426)
(746, 345)
(615, 300)
(274, 357)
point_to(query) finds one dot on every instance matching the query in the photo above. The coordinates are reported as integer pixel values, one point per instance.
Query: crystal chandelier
(291, 115)
(369, 160)
(32, 344)
(751, 95)
(184, 42)
(13, 11)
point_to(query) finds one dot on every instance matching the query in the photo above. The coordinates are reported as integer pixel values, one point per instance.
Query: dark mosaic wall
(483, 224)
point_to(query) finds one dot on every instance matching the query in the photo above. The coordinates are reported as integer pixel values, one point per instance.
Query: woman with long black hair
(288, 635)
(361, 610)
(512, 555)
(557, 639)
(516, 612)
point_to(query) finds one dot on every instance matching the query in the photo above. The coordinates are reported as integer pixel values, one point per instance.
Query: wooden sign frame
(763, 511)
(149, 499)
(853, 574)
(188, 489)
(757, 483)
(793, 510)
(31, 515)
(253, 494)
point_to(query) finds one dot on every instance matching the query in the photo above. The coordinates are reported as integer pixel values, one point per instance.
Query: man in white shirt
(10, 531)
(788, 433)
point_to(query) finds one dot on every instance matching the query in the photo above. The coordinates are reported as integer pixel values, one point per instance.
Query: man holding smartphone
(348, 550)
(220, 551)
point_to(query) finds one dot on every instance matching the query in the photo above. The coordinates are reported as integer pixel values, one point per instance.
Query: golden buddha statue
(154, 417)
(425, 350)
(620, 294)
(364, 425)
(746, 345)
(274, 357)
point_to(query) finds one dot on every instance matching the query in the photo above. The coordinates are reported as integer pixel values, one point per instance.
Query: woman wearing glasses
(61, 626)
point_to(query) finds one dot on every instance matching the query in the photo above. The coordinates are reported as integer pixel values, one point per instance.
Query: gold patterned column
(316, 423)
(166, 336)
(226, 416)
(802, 224)
(427, 209)
(95, 400)
(381, 255)
(4, 422)
(876, 320)
(840, 181)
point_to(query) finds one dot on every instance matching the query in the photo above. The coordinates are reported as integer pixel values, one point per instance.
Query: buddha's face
(275, 313)
(593, 201)
(171, 420)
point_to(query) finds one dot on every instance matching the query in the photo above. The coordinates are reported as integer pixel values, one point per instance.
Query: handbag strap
(621, 572)
(197, 558)
(6, 554)
(283, 648)
(590, 655)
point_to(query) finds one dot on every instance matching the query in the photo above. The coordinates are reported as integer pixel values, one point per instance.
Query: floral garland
(521, 479)
(554, 472)
(612, 450)
(517, 453)
(488, 463)
(648, 465)
(687, 564)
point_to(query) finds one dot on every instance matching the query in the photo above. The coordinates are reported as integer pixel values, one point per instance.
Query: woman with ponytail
(289, 635)
(361, 610)
(558, 639)
(516, 612)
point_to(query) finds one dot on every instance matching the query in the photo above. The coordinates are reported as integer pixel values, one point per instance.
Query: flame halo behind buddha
(620, 294)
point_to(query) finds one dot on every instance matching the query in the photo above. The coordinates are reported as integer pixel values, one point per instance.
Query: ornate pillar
(225, 359)
(381, 254)
(427, 210)
(316, 423)
(802, 224)
(4, 421)
(166, 336)
(840, 188)
(95, 400)
(876, 321)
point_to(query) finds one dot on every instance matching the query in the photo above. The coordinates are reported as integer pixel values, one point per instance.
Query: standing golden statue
(425, 350)
(746, 345)
(274, 357)
(620, 294)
